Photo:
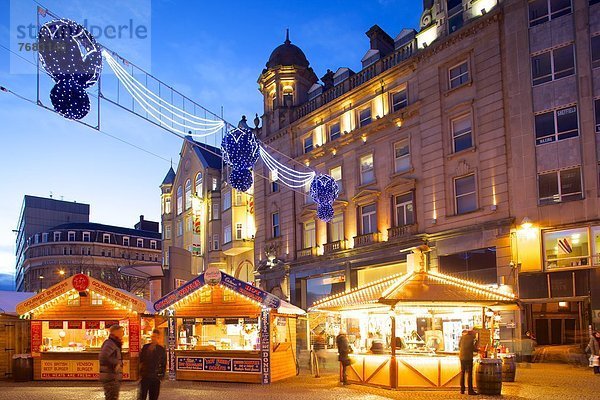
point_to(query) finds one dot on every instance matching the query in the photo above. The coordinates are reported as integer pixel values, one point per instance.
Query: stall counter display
(70, 321)
(223, 329)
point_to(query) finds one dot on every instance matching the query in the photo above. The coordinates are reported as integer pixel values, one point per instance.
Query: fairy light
(240, 151)
(324, 190)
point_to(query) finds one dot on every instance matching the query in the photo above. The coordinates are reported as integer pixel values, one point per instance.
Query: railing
(364, 240)
(358, 79)
(334, 246)
(308, 252)
(402, 231)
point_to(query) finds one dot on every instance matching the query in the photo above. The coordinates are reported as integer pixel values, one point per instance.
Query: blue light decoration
(324, 190)
(240, 152)
(73, 59)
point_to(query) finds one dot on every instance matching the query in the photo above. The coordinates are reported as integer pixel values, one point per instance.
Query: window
(275, 231)
(179, 200)
(226, 201)
(558, 186)
(140, 243)
(336, 173)
(71, 236)
(399, 100)
(153, 244)
(215, 183)
(288, 97)
(189, 224)
(401, 156)
(309, 235)
(462, 137)
(465, 194)
(403, 205)
(168, 232)
(597, 114)
(227, 234)
(334, 131)
(86, 236)
(228, 296)
(168, 205)
(96, 299)
(455, 15)
(105, 238)
(239, 198)
(541, 11)
(556, 125)
(367, 172)
(364, 117)
(552, 65)
(566, 248)
(57, 236)
(206, 295)
(125, 241)
(37, 238)
(368, 216)
(199, 184)
(166, 258)
(458, 75)
(239, 231)
(274, 186)
(215, 211)
(215, 242)
(308, 144)
(188, 194)
(73, 299)
(336, 229)
(45, 237)
(180, 228)
(477, 265)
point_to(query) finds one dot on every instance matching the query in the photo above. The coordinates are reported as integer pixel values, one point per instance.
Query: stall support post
(393, 365)
(172, 338)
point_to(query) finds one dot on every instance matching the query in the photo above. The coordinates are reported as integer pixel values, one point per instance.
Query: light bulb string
(152, 96)
(265, 156)
(282, 173)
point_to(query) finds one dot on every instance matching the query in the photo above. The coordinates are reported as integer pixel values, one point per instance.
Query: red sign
(108, 324)
(134, 337)
(75, 324)
(55, 325)
(81, 282)
(92, 324)
(36, 337)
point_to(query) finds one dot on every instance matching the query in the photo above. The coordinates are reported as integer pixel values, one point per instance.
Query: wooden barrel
(488, 376)
(509, 369)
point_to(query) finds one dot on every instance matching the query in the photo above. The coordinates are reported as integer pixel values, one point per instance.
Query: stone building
(473, 136)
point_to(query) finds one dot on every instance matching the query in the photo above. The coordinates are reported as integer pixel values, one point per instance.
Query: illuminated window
(73, 299)
(228, 296)
(458, 75)
(96, 299)
(206, 295)
(179, 283)
(188, 194)
(566, 248)
(215, 183)
(199, 184)
(239, 198)
(336, 229)
(179, 200)
(168, 205)
(239, 231)
(309, 235)
(367, 171)
(336, 174)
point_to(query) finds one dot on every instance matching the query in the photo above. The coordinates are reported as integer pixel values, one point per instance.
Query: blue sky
(213, 52)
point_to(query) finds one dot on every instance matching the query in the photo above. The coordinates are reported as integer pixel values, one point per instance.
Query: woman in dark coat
(594, 347)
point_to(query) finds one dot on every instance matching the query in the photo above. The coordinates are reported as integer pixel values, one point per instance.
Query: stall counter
(219, 365)
(76, 365)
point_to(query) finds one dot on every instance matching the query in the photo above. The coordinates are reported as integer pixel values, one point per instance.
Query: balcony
(365, 240)
(306, 253)
(334, 246)
(237, 246)
(401, 232)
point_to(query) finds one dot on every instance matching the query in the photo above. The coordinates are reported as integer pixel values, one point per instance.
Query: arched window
(188, 194)
(199, 184)
(179, 200)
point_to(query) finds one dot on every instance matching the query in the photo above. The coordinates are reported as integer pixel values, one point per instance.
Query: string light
(240, 151)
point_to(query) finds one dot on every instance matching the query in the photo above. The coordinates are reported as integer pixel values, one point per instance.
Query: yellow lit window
(96, 299)
(206, 296)
(73, 299)
(228, 296)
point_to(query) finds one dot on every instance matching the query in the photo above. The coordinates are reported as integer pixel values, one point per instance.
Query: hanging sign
(36, 338)
(172, 343)
(265, 346)
(55, 325)
(134, 337)
(252, 292)
(179, 293)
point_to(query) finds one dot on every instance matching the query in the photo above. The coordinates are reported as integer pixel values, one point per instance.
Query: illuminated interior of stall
(218, 334)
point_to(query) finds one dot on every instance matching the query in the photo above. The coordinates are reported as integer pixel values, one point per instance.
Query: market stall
(14, 332)
(223, 329)
(70, 321)
(405, 329)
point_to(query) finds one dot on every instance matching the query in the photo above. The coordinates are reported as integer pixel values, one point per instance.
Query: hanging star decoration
(240, 151)
(324, 190)
(72, 58)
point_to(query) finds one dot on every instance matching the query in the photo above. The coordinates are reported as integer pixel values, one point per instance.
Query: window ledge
(463, 214)
(561, 202)
(451, 156)
(450, 91)
(366, 185)
(401, 173)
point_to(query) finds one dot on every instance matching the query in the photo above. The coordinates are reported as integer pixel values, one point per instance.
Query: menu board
(75, 369)
(36, 337)
(92, 324)
(75, 324)
(209, 321)
(245, 365)
(217, 364)
(55, 325)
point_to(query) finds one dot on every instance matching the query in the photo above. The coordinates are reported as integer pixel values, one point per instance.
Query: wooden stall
(405, 329)
(14, 332)
(223, 329)
(70, 321)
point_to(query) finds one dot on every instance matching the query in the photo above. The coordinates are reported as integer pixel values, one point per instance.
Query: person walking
(467, 346)
(594, 348)
(153, 362)
(343, 350)
(111, 363)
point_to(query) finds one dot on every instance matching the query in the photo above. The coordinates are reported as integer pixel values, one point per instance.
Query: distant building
(38, 214)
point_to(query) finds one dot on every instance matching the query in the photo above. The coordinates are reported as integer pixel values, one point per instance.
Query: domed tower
(284, 84)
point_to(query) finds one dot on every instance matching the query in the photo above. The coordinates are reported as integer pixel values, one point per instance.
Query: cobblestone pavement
(540, 381)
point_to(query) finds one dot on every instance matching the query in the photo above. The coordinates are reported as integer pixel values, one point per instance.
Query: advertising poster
(189, 363)
(172, 343)
(36, 337)
(134, 337)
(265, 345)
(246, 365)
(217, 364)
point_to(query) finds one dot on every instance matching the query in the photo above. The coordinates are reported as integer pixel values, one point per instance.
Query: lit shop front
(223, 329)
(70, 321)
(405, 329)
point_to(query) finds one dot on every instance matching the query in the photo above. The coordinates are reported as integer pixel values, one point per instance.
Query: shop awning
(214, 277)
(145, 271)
(366, 297)
(80, 283)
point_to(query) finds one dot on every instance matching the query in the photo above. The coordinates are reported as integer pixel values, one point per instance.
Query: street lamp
(61, 273)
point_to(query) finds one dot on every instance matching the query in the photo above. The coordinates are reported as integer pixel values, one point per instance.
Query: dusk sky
(213, 52)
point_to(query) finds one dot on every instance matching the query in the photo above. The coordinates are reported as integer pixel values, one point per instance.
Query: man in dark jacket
(111, 363)
(343, 350)
(153, 362)
(467, 346)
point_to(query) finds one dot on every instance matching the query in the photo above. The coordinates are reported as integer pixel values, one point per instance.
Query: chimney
(141, 218)
(380, 40)
(327, 79)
